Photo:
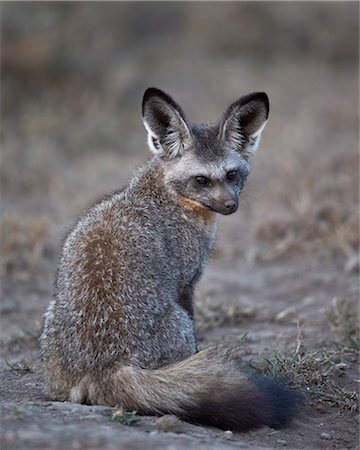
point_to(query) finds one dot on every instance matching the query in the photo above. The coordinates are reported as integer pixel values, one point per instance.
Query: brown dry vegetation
(283, 281)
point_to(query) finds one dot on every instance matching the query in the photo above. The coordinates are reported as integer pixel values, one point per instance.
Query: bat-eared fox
(120, 328)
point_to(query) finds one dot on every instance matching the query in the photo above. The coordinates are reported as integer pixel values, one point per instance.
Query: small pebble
(169, 423)
(282, 442)
(352, 264)
(340, 369)
(325, 436)
(228, 435)
(342, 366)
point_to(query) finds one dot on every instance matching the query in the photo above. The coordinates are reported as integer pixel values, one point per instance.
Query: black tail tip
(283, 402)
(256, 402)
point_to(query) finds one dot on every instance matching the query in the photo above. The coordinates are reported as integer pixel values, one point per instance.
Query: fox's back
(137, 231)
(120, 274)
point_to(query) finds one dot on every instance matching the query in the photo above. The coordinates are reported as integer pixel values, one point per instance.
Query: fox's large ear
(165, 122)
(243, 122)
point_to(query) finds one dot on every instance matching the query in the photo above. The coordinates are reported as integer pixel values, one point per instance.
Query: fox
(120, 329)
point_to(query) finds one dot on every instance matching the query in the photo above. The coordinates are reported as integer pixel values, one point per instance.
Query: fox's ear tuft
(168, 132)
(243, 122)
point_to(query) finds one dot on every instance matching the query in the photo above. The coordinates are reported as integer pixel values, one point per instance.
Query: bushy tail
(207, 388)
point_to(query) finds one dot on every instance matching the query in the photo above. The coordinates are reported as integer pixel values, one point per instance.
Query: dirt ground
(283, 279)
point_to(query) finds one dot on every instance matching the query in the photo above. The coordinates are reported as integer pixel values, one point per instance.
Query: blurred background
(73, 75)
(284, 274)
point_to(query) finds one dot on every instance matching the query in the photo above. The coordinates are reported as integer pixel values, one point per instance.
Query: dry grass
(210, 315)
(317, 208)
(343, 317)
(22, 366)
(320, 371)
(23, 245)
(128, 418)
(317, 371)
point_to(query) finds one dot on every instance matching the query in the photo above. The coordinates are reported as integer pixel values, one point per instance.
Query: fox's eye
(202, 181)
(231, 175)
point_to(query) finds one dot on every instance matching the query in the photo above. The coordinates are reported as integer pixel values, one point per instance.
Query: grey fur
(128, 269)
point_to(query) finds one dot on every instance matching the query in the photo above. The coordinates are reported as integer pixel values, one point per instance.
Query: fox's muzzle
(225, 202)
(225, 208)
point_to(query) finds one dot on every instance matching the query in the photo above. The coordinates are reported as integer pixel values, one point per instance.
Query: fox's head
(207, 164)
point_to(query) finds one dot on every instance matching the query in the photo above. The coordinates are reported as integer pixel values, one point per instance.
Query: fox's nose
(230, 204)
